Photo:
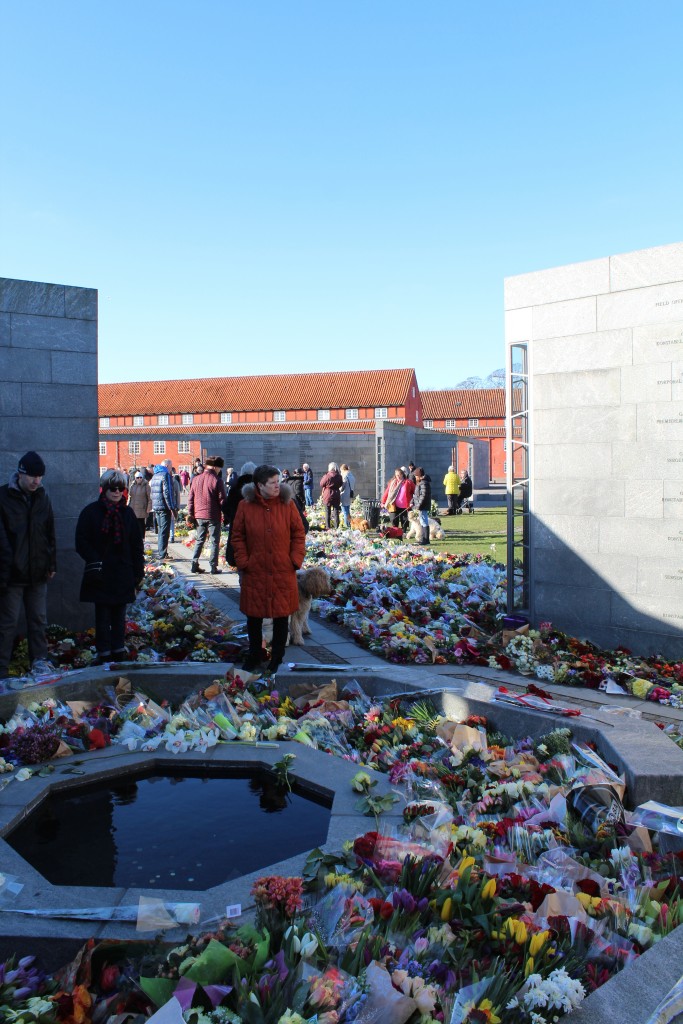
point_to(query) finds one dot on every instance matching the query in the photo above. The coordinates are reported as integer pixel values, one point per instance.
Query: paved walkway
(331, 645)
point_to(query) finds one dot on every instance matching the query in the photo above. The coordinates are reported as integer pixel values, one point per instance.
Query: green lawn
(483, 532)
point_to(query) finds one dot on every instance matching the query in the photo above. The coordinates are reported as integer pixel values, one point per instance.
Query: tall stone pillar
(48, 403)
(605, 445)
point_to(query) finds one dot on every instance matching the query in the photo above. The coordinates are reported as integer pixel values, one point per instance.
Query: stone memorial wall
(48, 403)
(605, 362)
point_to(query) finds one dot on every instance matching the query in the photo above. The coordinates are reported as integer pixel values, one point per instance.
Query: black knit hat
(31, 464)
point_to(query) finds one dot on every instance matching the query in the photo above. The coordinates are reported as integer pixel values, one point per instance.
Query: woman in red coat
(269, 542)
(397, 497)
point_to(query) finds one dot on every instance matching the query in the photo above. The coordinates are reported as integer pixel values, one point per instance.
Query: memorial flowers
(474, 899)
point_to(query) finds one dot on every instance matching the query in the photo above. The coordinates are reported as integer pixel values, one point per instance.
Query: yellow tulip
(446, 909)
(487, 1006)
(489, 890)
(465, 863)
(529, 968)
(538, 941)
(516, 930)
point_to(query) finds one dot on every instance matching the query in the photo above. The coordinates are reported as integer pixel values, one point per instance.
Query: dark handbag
(352, 495)
(230, 553)
(93, 571)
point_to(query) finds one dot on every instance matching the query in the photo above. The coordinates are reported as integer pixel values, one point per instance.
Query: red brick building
(143, 422)
(476, 413)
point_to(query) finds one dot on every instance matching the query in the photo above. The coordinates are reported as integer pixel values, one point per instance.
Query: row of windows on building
(160, 447)
(449, 424)
(183, 447)
(279, 416)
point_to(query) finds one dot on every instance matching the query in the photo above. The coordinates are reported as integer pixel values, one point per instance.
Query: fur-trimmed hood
(249, 493)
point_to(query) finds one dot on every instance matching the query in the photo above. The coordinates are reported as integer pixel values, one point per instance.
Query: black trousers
(110, 627)
(255, 634)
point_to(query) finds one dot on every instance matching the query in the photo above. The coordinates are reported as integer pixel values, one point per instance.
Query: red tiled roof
(463, 403)
(351, 389)
(465, 431)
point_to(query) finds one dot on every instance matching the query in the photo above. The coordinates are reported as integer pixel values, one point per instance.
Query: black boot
(252, 662)
(425, 535)
(277, 655)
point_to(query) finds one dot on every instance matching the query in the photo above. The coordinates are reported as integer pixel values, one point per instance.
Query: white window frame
(104, 422)
(138, 421)
(188, 418)
(428, 424)
(324, 414)
(279, 416)
(103, 447)
(183, 447)
(226, 417)
(133, 447)
(381, 413)
(450, 425)
(162, 420)
(473, 421)
(351, 414)
(159, 447)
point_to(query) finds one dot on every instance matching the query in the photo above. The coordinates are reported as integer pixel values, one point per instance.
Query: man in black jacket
(27, 561)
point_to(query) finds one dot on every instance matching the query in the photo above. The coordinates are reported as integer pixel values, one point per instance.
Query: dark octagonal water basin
(170, 828)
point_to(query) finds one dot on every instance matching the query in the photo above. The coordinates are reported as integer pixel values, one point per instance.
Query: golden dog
(312, 583)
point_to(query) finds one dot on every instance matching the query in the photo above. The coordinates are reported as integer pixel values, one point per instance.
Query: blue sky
(308, 185)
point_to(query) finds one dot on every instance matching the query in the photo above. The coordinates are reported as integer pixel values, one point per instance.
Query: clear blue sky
(299, 185)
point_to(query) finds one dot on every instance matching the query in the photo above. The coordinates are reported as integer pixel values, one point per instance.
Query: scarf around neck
(112, 523)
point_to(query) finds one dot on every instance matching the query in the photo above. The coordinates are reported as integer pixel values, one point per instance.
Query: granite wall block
(581, 352)
(572, 494)
(641, 307)
(558, 319)
(647, 382)
(573, 281)
(31, 297)
(51, 332)
(659, 343)
(80, 303)
(646, 267)
(67, 367)
(49, 400)
(599, 423)
(17, 365)
(589, 460)
(573, 391)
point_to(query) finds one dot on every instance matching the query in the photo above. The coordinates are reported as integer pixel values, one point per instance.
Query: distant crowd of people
(263, 509)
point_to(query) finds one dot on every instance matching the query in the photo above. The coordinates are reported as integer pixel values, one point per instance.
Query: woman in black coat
(108, 540)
